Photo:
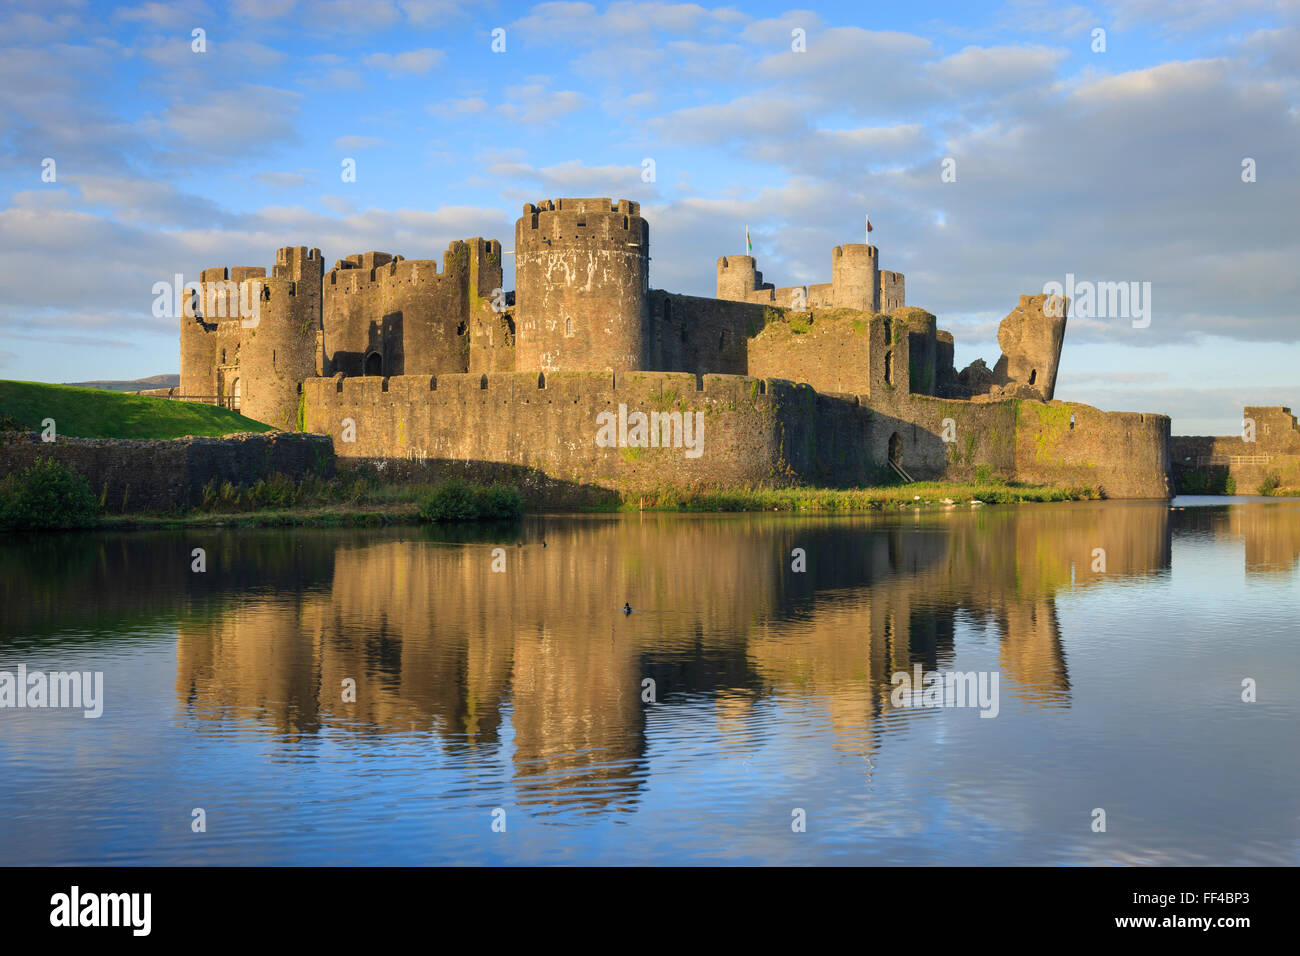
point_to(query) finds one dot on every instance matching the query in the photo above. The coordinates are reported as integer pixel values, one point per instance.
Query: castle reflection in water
(537, 663)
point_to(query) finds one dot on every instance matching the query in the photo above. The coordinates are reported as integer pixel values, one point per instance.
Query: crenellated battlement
(857, 282)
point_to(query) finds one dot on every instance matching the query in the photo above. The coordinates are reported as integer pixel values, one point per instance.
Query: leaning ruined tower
(581, 285)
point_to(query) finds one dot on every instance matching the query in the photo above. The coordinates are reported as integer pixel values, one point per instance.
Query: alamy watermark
(946, 689)
(1100, 300)
(213, 299)
(82, 690)
(638, 429)
(129, 910)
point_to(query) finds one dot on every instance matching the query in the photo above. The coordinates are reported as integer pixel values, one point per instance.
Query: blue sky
(1115, 165)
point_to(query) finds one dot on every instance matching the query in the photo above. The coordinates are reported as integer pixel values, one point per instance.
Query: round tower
(855, 280)
(737, 277)
(581, 285)
(278, 348)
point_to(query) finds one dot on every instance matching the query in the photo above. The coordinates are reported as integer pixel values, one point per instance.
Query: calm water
(523, 690)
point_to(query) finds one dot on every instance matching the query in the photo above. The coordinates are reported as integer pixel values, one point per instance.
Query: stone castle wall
(385, 315)
(757, 432)
(144, 475)
(694, 334)
(1204, 462)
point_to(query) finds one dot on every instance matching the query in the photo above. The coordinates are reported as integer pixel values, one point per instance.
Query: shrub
(1271, 483)
(458, 500)
(500, 503)
(453, 501)
(48, 494)
(983, 474)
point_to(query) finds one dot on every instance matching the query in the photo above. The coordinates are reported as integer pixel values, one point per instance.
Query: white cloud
(414, 62)
(249, 118)
(534, 103)
(348, 144)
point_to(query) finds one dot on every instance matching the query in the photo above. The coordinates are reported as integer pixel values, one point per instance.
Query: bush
(500, 502)
(48, 494)
(1271, 483)
(460, 501)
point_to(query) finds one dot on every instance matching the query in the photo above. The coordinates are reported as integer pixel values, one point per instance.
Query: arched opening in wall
(895, 449)
(1033, 374)
(541, 379)
(482, 382)
(668, 311)
(374, 364)
(889, 368)
(510, 331)
(223, 356)
(568, 327)
(1071, 419)
(236, 394)
(889, 330)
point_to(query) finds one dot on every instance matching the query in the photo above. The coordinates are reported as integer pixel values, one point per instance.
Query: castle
(833, 383)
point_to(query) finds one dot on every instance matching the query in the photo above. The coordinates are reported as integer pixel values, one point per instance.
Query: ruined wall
(492, 340)
(210, 323)
(883, 357)
(891, 286)
(692, 334)
(386, 315)
(830, 352)
(142, 475)
(754, 432)
(581, 285)
(198, 357)
(1203, 463)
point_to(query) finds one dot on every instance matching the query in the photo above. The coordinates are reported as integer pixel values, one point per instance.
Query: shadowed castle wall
(385, 315)
(693, 334)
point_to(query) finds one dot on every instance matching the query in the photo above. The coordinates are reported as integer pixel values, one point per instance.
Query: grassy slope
(94, 413)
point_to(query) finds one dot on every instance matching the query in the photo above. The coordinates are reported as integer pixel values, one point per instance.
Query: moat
(496, 680)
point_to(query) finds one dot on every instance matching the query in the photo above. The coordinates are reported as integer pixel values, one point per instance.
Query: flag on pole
(749, 246)
(869, 228)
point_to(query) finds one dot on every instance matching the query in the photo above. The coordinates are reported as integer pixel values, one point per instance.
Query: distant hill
(136, 385)
(97, 413)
